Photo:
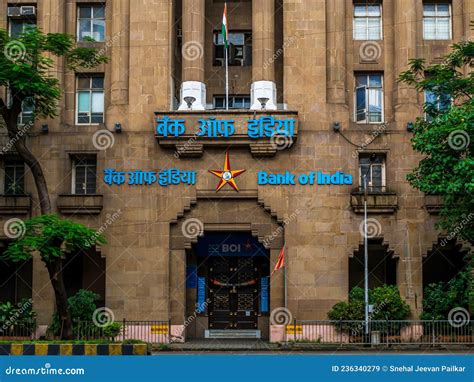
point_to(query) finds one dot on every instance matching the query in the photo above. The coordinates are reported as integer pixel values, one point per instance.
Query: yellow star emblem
(227, 175)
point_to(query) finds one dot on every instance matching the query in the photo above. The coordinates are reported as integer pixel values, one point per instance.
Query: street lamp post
(366, 260)
(366, 250)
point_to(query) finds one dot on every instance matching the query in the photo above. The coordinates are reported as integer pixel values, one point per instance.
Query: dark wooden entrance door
(233, 293)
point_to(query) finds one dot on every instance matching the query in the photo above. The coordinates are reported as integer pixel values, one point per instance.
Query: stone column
(335, 53)
(263, 49)
(120, 40)
(467, 11)
(193, 55)
(406, 25)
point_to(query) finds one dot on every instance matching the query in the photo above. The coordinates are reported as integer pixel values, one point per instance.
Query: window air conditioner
(14, 11)
(29, 10)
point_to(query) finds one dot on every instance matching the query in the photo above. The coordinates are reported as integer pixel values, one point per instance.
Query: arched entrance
(221, 253)
(233, 272)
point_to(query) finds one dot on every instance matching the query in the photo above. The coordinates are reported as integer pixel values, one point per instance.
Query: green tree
(445, 137)
(53, 238)
(26, 67)
(440, 298)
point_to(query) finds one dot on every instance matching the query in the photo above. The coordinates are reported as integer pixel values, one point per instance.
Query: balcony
(80, 204)
(15, 204)
(433, 204)
(380, 200)
(190, 132)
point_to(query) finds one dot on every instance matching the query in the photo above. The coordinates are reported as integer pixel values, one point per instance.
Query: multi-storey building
(313, 97)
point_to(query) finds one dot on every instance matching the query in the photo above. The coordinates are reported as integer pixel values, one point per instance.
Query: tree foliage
(27, 66)
(445, 138)
(53, 238)
(440, 298)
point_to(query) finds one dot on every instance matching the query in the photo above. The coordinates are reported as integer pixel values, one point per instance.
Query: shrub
(112, 330)
(20, 315)
(387, 305)
(440, 298)
(81, 307)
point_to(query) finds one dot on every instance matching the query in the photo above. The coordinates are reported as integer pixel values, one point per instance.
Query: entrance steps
(239, 334)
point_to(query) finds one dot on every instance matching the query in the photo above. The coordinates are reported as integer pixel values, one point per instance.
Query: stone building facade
(327, 67)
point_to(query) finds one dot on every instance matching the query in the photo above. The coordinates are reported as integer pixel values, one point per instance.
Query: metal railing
(155, 332)
(17, 331)
(381, 332)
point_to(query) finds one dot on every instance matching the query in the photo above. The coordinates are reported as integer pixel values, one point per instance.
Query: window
(19, 26)
(239, 51)
(235, 102)
(90, 99)
(20, 19)
(369, 98)
(435, 103)
(27, 112)
(367, 22)
(437, 21)
(27, 109)
(84, 170)
(373, 167)
(91, 23)
(14, 172)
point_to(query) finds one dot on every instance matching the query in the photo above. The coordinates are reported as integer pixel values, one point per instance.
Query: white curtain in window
(97, 102)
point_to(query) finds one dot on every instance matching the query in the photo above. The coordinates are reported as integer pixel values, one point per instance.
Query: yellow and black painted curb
(74, 349)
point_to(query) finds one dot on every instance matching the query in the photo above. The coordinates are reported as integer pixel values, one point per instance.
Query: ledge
(189, 144)
(383, 202)
(227, 194)
(80, 204)
(15, 204)
(65, 349)
(433, 204)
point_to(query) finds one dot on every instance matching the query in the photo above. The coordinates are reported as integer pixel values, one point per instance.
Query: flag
(281, 260)
(225, 29)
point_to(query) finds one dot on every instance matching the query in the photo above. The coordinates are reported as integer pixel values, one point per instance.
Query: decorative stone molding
(384, 202)
(80, 204)
(433, 204)
(15, 204)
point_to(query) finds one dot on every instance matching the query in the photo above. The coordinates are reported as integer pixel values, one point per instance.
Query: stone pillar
(406, 25)
(193, 55)
(263, 49)
(120, 40)
(467, 11)
(336, 48)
